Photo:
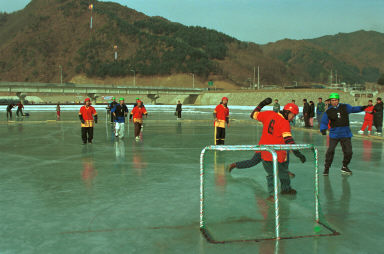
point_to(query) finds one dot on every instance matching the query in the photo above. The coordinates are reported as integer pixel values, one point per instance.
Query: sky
(260, 21)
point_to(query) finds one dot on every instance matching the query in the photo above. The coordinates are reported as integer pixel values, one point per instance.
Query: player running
(276, 130)
(137, 114)
(120, 112)
(337, 116)
(88, 118)
(221, 115)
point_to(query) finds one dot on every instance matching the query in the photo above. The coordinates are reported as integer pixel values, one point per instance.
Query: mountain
(49, 33)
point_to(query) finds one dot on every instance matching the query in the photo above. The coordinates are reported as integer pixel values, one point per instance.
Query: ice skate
(231, 167)
(326, 172)
(346, 170)
(360, 132)
(289, 192)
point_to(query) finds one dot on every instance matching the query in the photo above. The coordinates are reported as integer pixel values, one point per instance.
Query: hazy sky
(260, 21)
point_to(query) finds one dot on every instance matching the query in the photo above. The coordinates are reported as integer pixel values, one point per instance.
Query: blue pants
(319, 116)
(268, 167)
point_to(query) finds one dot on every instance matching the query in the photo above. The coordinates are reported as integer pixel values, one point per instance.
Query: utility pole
(193, 79)
(336, 76)
(134, 77)
(254, 76)
(61, 74)
(258, 78)
(331, 76)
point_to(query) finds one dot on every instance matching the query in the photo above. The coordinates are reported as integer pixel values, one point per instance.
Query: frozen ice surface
(58, 196)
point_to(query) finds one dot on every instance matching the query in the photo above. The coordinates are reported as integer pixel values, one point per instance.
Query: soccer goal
(228, 204)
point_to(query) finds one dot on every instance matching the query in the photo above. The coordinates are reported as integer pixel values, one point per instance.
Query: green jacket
(276, 107)
(320, 108)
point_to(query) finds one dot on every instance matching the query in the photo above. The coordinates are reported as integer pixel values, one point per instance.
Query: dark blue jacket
(339, 132)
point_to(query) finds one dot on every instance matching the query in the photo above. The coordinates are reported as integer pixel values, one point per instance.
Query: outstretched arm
(260, 106)
(289, 141)
(355, 109)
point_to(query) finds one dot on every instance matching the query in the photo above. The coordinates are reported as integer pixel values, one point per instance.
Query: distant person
(9, 111)
(368, 118)
(88, 118)
(293, 122)
(20, 108)
(58, 111)
(137, 100)
(276, 106)
(178, 110)
(120, 112)
(378, 116)
(327, 103)
(221, 116)
(311, 113)
(137, 114)
(306, 111)
(337, 117)
(320, 109)
(110, 107)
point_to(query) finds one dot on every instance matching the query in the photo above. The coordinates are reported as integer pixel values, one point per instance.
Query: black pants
(137, 129)
(378, 122)
(306, 120)
(19, 111)
(178, 114)
(346, 146)
(220, 136)
(9, 115)
(112, 118)
(87, 134)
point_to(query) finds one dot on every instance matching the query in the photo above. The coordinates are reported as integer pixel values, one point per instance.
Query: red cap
(87, 99)
(292, 108)
(224, 98)
(138, 101)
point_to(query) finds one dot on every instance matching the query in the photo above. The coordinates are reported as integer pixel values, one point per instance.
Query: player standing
(88, 118)
(368, 118)
(221, 115)
(337, 116)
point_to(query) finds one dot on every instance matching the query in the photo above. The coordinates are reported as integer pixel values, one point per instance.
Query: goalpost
(272, 149)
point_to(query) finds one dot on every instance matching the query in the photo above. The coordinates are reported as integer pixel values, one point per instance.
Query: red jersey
(222, 112)
(87, 113)
(138, 113)
(275, 129)
(368, 116)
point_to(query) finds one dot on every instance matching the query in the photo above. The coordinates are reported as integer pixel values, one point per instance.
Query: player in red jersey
(276, 130)
(368, 119)
(88, 118)
(137, 114)
(221, 115)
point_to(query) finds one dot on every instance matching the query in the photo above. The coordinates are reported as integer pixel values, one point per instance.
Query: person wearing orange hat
(221, 116)
(137, 114)
(88, 118)
(276, 130)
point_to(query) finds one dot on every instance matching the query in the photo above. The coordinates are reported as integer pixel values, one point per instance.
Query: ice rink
(59, 196)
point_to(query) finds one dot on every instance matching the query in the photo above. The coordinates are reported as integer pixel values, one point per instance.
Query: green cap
(334, 96)
(113, 98)
(121, 99)
(137, 98)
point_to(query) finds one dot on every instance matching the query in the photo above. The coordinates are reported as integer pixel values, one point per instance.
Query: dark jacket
(178, 107)
(312, 110)
(378, 114)
(338, 119)
(306, 108)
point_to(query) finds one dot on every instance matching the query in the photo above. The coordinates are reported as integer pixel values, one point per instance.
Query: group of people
(119, 112)
(333, 116)
(19, 111)
(373, 116)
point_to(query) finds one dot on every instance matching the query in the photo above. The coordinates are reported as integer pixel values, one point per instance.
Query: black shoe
(346, 170)
(84, 143)
(326, 172)
(289, 192)
(291, 175)
(231, 166)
